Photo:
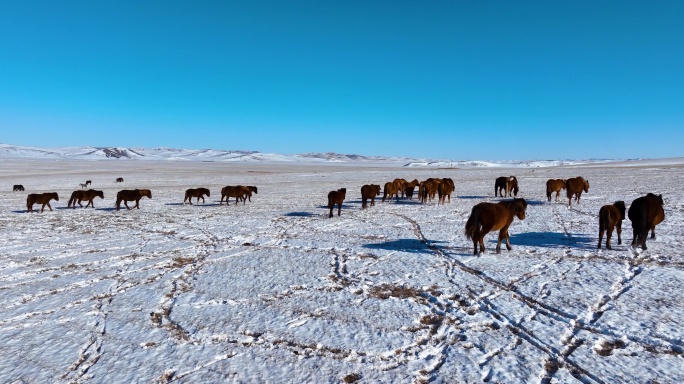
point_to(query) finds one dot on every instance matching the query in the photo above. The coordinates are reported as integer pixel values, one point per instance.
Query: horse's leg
(137, 203)
(619, 231)
(126, 204)
(508, 240)
(601, 231)
(339, 208)
(79, 203)
(363, 202)
(609, 235)
(42, 208)
(502, 236)
(653, 236)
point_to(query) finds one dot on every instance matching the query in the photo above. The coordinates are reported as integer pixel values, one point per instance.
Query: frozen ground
(274, 291)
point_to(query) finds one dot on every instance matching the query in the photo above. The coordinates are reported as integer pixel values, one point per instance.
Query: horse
(428, 189)
(197, 192)
(126, 195)
(554, 185)
(80, 195)
(611, 216)
(506, 184)
(369, 192)
(574, 187)
(251, 189)
(444, 190)
(391, 189)
(40, 198)
(237, 191)
(336, 197)
(486, 217)
(119, 179)
(83, 185)
(18, 187)
(410, 187)
(645, 213)
(401, 184)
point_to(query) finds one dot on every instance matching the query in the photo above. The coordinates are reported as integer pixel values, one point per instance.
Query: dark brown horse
(401, 185)
(486, 217)
(645, 213)
(119, 179)
(445, 189)
(251, 188)
(239, 192)
(428, 189)
(40, 198)
(131, 195)
(574, 187)
(88, 182)
(196, 192)
(369, 191)
(18, 187)
(410, 187)
(90, 195)
(506, 185)
(336, 197)
(391, 189)
(554, 185)
(610, 217)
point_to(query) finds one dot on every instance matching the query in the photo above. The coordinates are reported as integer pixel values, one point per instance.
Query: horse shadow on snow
(403, 245)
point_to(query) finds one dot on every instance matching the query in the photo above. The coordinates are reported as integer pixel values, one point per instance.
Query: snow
(274, 291)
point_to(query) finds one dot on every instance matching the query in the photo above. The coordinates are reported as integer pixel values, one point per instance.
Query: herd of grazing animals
(645, 212)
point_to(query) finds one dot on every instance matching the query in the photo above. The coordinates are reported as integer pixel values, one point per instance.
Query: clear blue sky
(455, 80)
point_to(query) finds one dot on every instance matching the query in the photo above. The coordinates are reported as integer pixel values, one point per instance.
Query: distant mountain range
(8, 151)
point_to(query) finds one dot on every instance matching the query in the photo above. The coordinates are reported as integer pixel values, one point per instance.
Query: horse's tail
(72, 200)
(548, 190)
(473, 224)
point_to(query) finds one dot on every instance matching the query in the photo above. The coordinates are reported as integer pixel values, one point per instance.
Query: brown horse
(506, 185)
(196, 192)
(610, 217)
(40, 198)
(645, 213)
(574, 187)
(486, 217)
(554, 185)
(119, 179)
(80, 195)
(236, 191)
(336, 197)
(18, 187)
(391, 189)
(401, 185)
(410, 187)
(369, 192)
(126, 195)
(251, 189)
(428, 189)
(444, 190)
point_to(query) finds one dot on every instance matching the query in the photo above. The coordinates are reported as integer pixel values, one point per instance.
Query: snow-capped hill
(452, 164)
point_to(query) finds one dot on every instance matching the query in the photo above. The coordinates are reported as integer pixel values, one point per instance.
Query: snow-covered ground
(274, 291)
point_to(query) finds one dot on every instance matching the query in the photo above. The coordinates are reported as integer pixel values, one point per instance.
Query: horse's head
(518, 208)
(206, 191)
(620, 205)
(54, 196)
(586, 185)
(376, 188)
(99, 194)
(515, 190)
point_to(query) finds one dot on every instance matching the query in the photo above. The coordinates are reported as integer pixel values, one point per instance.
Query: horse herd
(645, 212)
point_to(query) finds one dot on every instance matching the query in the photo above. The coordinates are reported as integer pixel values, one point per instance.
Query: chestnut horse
(391, 189)
(444, 190)
(574, 187)
(554, 185)
(126, 195)
(40, 198)
(336, 197)
(236, 191)
(196, 192)
(610, 217)
(80, 195)
(369, 192)
(251, 189)
(428, 189)
(645, 213)
(401, 185)
(486, 217)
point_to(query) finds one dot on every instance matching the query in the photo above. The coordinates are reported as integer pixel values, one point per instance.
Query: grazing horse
(196, 192)
(237, 191)
(574, 187)
(486, 217)
(507, 185)
(610, 217)
(80, 195)
(336, 197)
(369, 192)
(18, 187)
(444, 190)
(40, 198)
(554, 185)
(126, 195)
(645, 213)
(391, 189)
(119, 179)
(251, 189)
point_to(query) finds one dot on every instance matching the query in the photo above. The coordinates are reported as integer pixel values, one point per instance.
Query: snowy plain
(275, 291)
